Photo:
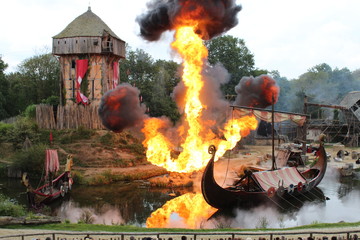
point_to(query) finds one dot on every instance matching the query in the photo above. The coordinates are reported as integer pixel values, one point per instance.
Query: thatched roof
(86, 25)
(350, 99)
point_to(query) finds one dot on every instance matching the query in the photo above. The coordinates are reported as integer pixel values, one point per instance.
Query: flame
(195, 132)
(191, 207)
(270, 90)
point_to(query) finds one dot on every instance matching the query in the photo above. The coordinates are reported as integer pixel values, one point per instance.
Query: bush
(5, 130)
(9, 207)
(52, 100)
(23, 128)
(30, 112)
(78, 177)
(30, 160)
(137, 148)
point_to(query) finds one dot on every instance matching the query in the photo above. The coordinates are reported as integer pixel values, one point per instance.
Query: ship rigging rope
(228, 163)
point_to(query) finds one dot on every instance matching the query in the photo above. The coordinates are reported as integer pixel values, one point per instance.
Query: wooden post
(273, 134)
(304, 127)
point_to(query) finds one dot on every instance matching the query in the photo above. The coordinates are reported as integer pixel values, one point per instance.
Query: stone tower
(89, 53)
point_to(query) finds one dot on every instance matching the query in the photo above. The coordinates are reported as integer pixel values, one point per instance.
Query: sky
(284, 35)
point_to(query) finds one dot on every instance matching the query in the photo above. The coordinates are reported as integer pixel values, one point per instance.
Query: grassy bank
(120, 228)
(23, 144)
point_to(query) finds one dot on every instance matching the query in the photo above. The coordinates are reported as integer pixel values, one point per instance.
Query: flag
(115, 74)
(81, 68)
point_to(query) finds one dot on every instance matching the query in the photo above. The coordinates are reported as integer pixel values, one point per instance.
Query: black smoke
(258, 92)
(120, 108)
(213, 17)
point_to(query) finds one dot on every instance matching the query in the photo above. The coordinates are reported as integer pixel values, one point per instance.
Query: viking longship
(52, 186)
(258, 185)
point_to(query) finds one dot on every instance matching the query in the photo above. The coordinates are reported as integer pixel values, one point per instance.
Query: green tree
(235, 57)
(154, 79)
(20, 93)
(137, 69)
(165, 79)
(4, 92)
(36, 81)
(42, 72)
(322, 84)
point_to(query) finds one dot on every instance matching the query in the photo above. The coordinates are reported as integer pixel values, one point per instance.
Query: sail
(266, 115)
(51, 161)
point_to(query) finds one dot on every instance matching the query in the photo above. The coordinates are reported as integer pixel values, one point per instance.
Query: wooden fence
(68, 117)
(264, 235)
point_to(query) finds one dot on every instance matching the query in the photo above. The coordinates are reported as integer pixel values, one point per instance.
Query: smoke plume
(213, 17)
(258, 92)
(120, 108)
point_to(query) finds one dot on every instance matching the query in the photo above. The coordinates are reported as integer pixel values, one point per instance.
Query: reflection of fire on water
(190, 207)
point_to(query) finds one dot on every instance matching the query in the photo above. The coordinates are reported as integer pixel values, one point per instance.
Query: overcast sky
(285, 35)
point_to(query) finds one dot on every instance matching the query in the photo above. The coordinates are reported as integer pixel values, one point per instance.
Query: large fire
(184, 147)
(190, 207)
(195, 133)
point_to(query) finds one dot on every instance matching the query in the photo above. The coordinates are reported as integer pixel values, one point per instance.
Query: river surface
(132, 203)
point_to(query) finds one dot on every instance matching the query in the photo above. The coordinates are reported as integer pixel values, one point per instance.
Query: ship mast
(273, 135)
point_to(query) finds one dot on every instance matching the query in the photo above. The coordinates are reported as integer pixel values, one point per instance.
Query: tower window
(73, 64)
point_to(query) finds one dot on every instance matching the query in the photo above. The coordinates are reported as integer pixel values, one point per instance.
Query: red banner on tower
(81, 68)
(115, 74)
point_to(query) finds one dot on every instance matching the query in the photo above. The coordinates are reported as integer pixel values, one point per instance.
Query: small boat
(53, 187)
(259, 185)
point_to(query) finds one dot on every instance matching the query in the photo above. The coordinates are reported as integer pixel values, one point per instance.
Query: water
(131, 203)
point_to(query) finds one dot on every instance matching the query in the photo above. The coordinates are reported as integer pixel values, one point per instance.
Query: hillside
(99, 156)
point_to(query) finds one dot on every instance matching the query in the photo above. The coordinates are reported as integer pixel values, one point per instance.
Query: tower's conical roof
(86, 25)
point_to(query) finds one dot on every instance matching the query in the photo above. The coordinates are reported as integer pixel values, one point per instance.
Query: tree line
(37, 80)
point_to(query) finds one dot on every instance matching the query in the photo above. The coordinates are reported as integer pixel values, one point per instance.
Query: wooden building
(89, 53)
(346, 131)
